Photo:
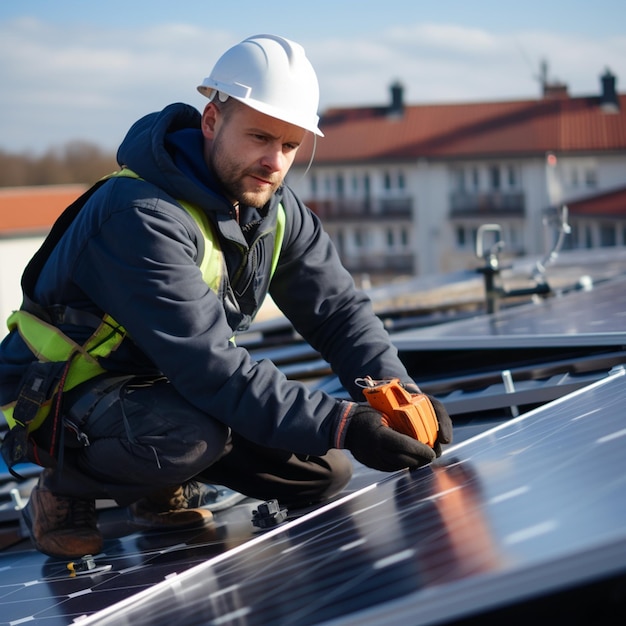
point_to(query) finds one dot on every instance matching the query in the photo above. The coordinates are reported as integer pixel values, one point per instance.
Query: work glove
(379, 446)
(445, 423)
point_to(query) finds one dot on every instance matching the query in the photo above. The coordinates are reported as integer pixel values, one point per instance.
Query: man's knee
(155, 436)
(339, 473)
(155, 460)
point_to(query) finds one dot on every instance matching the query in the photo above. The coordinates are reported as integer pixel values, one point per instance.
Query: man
(132, 307)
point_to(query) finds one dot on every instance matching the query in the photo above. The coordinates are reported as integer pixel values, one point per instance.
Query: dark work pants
(142, 435)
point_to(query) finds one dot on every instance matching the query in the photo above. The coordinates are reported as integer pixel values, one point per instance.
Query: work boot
(61, 526)
(175, 507)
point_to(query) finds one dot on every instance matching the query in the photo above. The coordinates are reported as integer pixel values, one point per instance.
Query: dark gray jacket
(132, 253)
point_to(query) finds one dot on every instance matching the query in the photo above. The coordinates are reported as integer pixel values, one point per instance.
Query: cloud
(578, 60)
(443, 37)
(447, 62)
(85, 81)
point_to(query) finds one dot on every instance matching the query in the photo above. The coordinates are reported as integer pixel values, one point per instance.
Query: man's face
(250, 153)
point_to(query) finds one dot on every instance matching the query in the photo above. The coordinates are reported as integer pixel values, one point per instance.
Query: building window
(607, 235)
(394, 180)
(460, 237)
(475, 178)
(339, 241)
(367, 196)
(404, 238)
(390, 238)
(494, 177)
(313, 180)
(512, 176)
(340, 185)
(591, 177)
(465, 237)
(458, 179)
(360, 238)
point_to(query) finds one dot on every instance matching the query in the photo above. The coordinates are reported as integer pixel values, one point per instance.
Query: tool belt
(61, 365)
(38, 389)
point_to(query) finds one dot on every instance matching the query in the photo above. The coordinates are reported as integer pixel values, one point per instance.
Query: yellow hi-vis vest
(49, 344)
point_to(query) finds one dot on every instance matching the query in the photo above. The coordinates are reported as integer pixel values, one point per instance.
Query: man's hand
(380, 447)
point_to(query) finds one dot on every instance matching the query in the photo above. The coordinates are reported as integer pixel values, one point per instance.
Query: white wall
(431, 209)
(14, 255)
(428, 182)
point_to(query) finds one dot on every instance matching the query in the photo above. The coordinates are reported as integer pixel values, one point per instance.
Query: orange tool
(409, 414)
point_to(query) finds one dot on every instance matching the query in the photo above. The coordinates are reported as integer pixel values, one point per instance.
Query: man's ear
(209, 120)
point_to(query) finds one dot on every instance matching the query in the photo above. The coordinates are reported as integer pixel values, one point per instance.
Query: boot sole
(29, 524)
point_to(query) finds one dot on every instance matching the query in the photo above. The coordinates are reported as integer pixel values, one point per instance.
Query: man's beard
(233, 180)
(235, 188)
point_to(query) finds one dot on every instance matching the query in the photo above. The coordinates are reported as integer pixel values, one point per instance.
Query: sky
(86, 70)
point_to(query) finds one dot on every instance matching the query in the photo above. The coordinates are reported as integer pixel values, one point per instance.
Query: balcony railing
(369, 208)
(491, 203)
(398, 263)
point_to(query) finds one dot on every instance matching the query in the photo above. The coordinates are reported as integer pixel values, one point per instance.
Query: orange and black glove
(380, 447)
(443, 419)
(445, 424)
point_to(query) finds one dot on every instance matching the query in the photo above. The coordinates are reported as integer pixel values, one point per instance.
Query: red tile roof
(359, 134)
(490, 129)
(610, 204)
(34, 209)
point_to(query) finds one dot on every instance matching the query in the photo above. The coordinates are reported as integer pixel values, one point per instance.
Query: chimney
(609, 101)
(396, 108)
(551, 89)
(555, 90)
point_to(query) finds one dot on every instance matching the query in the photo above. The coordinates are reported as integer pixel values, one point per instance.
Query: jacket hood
(144, 151)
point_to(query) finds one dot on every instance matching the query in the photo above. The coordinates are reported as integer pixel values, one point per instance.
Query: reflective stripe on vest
(212, 265)
(49, 344)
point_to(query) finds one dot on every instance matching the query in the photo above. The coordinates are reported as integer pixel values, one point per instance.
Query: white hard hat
(271, 75)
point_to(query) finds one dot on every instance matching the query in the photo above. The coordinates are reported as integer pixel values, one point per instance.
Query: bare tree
(75, 162)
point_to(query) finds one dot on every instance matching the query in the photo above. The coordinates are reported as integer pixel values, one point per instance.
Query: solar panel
(532, 506)
(585, 318)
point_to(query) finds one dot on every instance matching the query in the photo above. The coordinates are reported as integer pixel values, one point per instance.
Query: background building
(403, 189)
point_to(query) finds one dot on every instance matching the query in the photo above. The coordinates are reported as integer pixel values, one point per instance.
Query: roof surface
(610, 204)
(515, 128)
(34, 209)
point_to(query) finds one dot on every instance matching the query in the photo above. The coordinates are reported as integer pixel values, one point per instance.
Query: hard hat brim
(269, 110)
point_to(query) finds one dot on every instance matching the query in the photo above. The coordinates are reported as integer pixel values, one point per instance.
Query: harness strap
(49, 344)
